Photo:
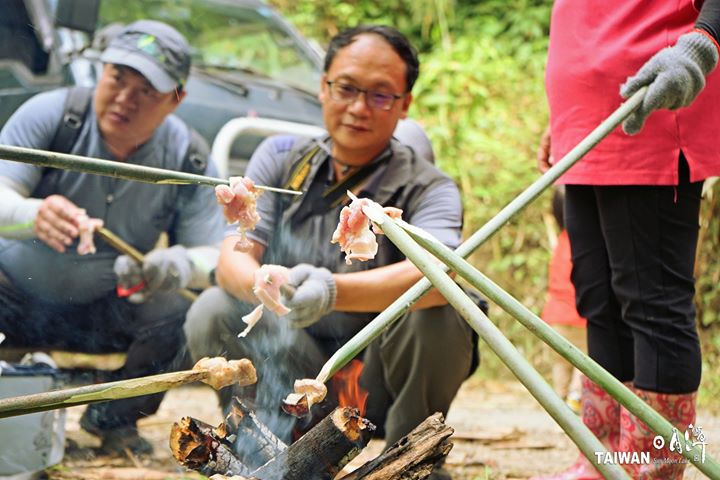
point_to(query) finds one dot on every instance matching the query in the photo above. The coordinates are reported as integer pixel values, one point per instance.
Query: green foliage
(320, 19)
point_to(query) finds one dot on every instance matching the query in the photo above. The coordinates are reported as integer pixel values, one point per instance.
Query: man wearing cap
(54, 298)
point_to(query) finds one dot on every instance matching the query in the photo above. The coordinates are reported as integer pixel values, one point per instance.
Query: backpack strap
(301, 168)
(195, 161)
(74, 113)
(197, 154)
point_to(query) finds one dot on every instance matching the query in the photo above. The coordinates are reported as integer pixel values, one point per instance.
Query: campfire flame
(346, 383)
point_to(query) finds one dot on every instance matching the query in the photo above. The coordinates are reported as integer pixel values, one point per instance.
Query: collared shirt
(429, 199)
(137, 212)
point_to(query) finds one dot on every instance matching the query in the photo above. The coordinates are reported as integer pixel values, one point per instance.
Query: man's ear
(322, 94)
(406, 101)
(179, 95)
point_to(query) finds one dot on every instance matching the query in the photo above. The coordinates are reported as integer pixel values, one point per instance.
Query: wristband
(707, 34)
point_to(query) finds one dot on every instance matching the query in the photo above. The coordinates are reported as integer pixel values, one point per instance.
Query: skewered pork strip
(239, 202)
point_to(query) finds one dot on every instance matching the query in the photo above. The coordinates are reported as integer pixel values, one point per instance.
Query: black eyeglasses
(344, 92)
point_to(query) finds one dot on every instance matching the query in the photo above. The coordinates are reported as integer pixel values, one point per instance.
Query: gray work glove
(164, 270)
(314, 296)
(676, 76)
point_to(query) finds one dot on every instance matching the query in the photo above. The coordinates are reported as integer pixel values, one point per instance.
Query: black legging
(633, 252)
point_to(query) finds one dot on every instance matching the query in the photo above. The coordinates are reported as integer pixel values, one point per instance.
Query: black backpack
(77, 105)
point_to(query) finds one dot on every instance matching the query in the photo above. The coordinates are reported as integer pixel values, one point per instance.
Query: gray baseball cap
(156, 50)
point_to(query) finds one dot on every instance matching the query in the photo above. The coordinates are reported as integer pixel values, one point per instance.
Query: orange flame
(346, 383)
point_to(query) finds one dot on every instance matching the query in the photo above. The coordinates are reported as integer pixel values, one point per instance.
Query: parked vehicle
(248, 62)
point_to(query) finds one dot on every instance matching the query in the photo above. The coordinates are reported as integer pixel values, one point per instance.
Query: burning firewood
(319, 454)
(209, 450)
(413, 456)
(257, 443)
(323, 451)
(201, 447)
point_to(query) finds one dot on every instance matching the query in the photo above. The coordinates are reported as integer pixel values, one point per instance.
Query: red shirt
(594, 46)
(560, 305)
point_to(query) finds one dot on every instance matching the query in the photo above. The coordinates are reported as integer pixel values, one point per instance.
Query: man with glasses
(417, 365)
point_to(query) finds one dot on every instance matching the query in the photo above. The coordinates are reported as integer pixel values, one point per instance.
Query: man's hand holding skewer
(56, 222)
(163, 270)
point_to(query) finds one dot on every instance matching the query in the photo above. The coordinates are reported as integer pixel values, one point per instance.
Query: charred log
(323, 451)
(253, 440)
(201, 447)
(413, 457)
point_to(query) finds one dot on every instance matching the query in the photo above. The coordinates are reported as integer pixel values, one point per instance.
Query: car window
(229, 35)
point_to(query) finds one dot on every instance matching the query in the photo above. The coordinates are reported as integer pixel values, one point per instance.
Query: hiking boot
(636, 436)
(116, 441)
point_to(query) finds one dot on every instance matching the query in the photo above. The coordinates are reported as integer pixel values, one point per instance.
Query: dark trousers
(412, 370)
(633, 253)
(150, 334)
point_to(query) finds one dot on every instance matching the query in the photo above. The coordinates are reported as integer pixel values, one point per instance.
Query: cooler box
(30, 443)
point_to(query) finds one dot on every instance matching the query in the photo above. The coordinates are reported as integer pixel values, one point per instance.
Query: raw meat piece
(239, 202)
(251, 319)
(269, 279)
(87, 227)
(353, 232)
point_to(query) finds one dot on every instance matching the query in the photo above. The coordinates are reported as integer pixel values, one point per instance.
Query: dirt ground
(501, 432)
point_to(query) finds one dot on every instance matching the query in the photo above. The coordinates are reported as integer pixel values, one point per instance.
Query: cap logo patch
(147, 44)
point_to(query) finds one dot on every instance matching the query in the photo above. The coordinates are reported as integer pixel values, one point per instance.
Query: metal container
(30, 443)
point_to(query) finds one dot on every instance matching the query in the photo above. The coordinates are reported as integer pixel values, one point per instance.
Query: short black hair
(392, 36)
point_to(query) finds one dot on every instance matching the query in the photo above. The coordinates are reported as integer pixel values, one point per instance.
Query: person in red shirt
(560, 311)
(632, 203)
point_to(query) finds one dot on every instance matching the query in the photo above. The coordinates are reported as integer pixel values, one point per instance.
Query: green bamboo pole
(135, 387)
(109, 168)
(368, 333)
(503, 348)
(569, 351)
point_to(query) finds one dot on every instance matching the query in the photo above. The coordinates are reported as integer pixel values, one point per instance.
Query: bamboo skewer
(216, 372)
(123, 247)
(503, 348)
(109, 168)
(135, 387)
(566, 349)
(386, 318)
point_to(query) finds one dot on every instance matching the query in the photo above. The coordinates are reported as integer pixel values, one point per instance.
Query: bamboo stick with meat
(216, 372)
